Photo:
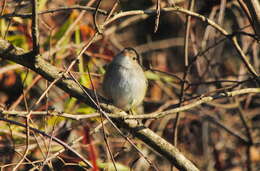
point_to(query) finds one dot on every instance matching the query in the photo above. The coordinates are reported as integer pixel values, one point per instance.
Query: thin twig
(66, 146)
(187, 31)
(157, 115)
(245, 121)
(254, 9)
(102, 121)
(113, 124)
(3, 8)
(25, 92)
(27, 128)
(10, 22)
(95, 17)
(187, 69)
(200, 17)
(35, 29)
(157, 18)
(58, 9)
(246, 11)
(229, 130)
(194, 104)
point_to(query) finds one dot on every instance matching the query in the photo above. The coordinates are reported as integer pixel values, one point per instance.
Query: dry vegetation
(202, 55)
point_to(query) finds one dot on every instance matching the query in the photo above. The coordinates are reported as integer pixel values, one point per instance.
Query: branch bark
(254, 9)
(50, 73)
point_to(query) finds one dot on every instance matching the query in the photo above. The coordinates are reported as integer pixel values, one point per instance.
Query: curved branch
(254, 9)
(66, 146)
(233, 39)
(170, 9)
(75, 7)
(50, 72)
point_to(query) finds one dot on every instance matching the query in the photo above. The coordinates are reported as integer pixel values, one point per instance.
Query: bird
(124, 83)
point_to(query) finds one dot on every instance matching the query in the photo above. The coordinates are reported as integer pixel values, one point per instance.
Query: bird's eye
(134, 58)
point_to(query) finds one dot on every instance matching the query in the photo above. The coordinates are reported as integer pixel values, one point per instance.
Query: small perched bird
(125, 83)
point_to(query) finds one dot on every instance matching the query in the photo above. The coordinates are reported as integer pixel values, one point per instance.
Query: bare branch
(49, 72)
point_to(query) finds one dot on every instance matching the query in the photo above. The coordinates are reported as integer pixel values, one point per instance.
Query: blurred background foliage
(62, 36)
